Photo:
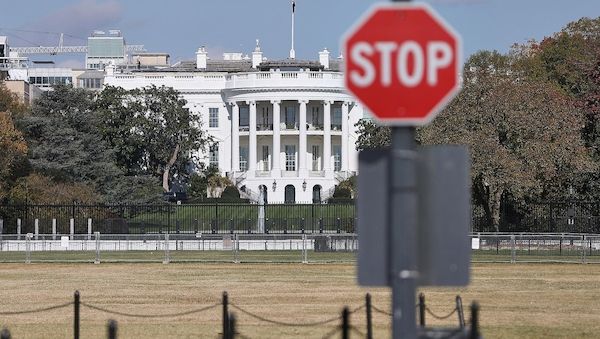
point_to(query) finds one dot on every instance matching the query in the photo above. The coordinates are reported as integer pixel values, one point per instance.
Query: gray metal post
(89, 228)
(167, 255)
(97, 236)
(72, 228)
(513, 249)
(18, 228)
(36, 228)
(403, 237)
(53, 229)
(304, 254)
(28, 248)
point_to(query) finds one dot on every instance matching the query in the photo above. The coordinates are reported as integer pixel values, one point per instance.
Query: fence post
(369, 316)
(1, 227)
(231, 329)
(112, 329)
(560, 245)
(285, 225)
(76, 315)
(18, 228)
(584, 258)
(474, 321)
(302, 224)
(28, 248)
(345, 323)
(5, 334)
(513, 249)
(304, 252)
(461, 312)
(177, 226)
(320, 225)
(225, 315)
(167, 255)
(53, 229)
(36, 228)
(89, 224)
(422, 309)
(236, 249)
(338, 223)
(97, 236)
(72, 228)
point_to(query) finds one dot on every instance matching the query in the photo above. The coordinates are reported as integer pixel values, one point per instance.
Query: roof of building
(236, 66)
(91, 74)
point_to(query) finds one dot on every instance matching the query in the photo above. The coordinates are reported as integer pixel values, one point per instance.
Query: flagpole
(292, 51)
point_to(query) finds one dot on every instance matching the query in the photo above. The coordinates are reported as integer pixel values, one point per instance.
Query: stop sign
(402, 62)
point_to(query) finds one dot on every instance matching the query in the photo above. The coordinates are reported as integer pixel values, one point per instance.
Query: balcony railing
(290, 126)
(264, 127)
(244, 128)
(336, 127)
(315, 127)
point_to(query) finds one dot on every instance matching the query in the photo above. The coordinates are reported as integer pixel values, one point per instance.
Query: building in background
(104, 48)
(283, 128)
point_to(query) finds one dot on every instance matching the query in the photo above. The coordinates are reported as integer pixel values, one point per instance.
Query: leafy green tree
(523, 134)
(371, 135)
(121, 117)
(151, 131)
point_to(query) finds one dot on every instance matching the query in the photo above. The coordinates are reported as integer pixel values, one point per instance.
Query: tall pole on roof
(292, 51)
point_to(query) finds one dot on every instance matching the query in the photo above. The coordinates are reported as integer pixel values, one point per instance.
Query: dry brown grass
(521, 300)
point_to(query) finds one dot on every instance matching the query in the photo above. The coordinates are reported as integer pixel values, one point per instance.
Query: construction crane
(53, 50)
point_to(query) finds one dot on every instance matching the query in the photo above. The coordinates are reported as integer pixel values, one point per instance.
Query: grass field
(517, 300)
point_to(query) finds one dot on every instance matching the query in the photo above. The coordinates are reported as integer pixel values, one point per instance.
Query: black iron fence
(542, 217)
(219, 218)
(197, 218)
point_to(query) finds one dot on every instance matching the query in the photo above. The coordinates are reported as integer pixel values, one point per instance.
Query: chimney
(201, 58)
(324, 58)
(256, 55)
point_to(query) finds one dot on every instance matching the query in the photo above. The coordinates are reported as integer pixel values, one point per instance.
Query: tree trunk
(168, 166)
(495, 201)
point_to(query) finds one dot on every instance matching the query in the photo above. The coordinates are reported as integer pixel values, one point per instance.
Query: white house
(282, 127)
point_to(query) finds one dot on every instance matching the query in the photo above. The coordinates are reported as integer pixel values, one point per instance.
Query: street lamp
(274, 185)
(304, 185)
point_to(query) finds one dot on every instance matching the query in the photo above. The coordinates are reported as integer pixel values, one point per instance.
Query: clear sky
(179, 27)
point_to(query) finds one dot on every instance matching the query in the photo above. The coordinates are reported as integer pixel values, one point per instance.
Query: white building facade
(282, 128)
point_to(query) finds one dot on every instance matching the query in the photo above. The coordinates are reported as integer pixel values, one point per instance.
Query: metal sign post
(403, 229)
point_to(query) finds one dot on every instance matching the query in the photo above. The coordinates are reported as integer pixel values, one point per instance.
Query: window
(290, 157)
(243, 159)
(337, 158)
(244, 116)
(290, 117)
(315, 158)
(315, 116)
(213, 117)
(265, 158)
(336, 122)
(214, 155)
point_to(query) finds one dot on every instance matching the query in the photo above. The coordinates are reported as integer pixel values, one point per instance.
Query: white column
(302, 141)
(345, 136)
(235, 137)
(252, 140)
(276, 170)
(327, 139)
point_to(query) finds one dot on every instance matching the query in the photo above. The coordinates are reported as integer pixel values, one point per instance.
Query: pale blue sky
(179, 27)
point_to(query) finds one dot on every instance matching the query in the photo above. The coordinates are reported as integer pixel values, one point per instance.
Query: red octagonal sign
(402, 63)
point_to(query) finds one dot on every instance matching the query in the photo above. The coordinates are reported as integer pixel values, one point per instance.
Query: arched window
(290, 194)
(316, 197)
